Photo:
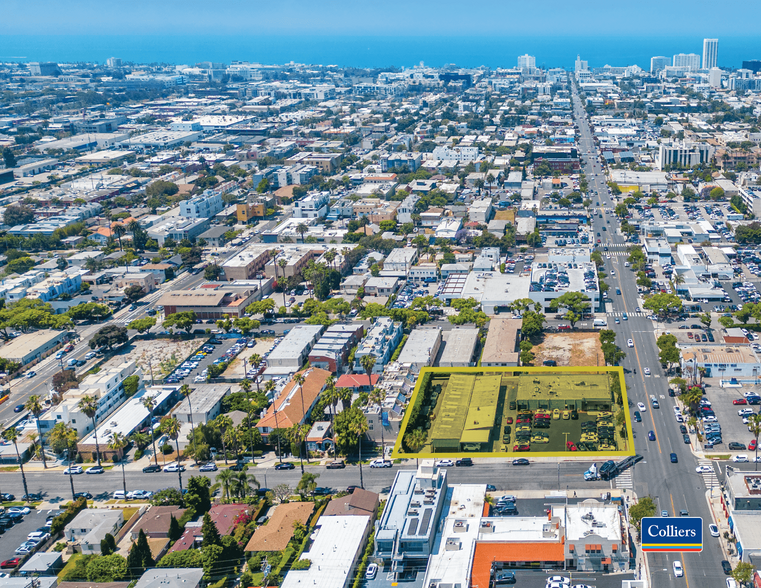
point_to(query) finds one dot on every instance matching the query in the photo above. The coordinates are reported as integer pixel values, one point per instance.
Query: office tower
(527, 63)
(690, 61)
(710, 53)
(113, 62)
(659, 63)
(580, 64)
(714, 77)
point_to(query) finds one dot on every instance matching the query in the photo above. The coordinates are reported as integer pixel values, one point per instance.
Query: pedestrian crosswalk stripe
(629, 314)
(624, 480)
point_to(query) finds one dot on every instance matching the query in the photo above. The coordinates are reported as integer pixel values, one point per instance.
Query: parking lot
(195, 368)
(17, 534)
(732, 427)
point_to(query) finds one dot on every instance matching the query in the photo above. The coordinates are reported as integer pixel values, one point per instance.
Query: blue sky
(651, 18)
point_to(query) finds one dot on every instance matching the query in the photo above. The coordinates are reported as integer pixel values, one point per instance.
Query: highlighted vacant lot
(573, 349)
(504, 411)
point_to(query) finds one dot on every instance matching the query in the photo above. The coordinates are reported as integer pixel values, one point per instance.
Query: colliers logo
(667, 534)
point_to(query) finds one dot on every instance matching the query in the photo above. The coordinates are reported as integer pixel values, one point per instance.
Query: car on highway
(637, 417)
(75, 469)
(521, 461)
(445, 463)
(150, 469)
(664, 513)
(642, 407)
(630, 343)
(647, 371)
(208, 467)
(95, 470)
(651, 435)
(678, 571)
(174, 467)
(674, 458)
(284, 465)
(713, 530)
(625, 316)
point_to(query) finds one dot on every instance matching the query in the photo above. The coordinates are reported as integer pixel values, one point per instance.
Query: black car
(284, 465)
(32, 497)
(240, 466)
(637, 416)
(465, 461)
(491, 488)
(726, 566)
(674, 458)
(7, 497)
(734, 446)
(521, 461)
(87, 495)
(672, 392)
(682, 429)
(322, 491)
(151, 469)
(686, 439)
(550, 363)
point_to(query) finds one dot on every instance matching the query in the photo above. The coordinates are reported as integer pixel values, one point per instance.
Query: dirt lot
(570, 349)
(160, 354)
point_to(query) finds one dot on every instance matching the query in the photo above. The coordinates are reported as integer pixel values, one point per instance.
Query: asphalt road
(672, 486)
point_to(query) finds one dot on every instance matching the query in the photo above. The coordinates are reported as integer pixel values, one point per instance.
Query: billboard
(667, 534)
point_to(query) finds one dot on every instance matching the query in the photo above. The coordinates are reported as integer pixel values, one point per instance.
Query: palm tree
(298, 434)
(299, 379)
(225, 481)
(368, 363)
(242, 482)
(89, 406)
(223, 423)
(301, 229)
(170, 426)
(754, 426)
(186, 391)
(359, 427)
(330, 256)
(63, 437)
(150, 403)
(246, 385)
(140, 439)
(134, 228)
(692, 398)
(256, 360)
(415, 440)
(34, 405)
(119, 230)
(376, 398)
(344, 395)
(118, 443)
(283, 263)
(332, 397)
(11, 434)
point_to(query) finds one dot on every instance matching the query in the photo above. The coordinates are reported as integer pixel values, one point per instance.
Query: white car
(677, 410)
(630, 343)
(641, 406)
(678, 571)
(704, 469)
(745, 412)
(647, 371)
(679, 418)
(742, 458)
(713, 530)
(710, 419)
(76, 469)
(119, 495)
(23, 510)
(371, 572)
(38, 536)
(380, 463)
(445, 463)
(558, 580)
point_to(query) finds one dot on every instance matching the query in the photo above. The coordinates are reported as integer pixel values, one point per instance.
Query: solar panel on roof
(413, 526)
(425, 522)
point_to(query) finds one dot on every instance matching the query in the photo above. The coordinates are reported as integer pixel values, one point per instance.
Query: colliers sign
(677, 534)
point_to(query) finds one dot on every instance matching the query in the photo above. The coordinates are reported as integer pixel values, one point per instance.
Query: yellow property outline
(396, 454)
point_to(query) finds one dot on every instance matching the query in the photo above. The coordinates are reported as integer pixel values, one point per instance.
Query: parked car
(151, 469)
(208, 467)
(521, 461)
(339, 464)
(95, 470)
(86, 495)
(465, 461)
(75, 469)
(284, 465)
(380, 463)
(174, 467)
(444, 463)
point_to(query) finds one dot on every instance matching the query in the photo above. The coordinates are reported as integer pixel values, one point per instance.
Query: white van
(601, 323)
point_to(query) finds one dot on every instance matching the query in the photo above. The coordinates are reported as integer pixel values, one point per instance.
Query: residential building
(178, 228)
(688, 61)
(171, 578)
(320, 437)
(527, 63)
(381, 286)
(155, 522)
(248, 263)
(42, 564)
(460, 154)
(334, 552)
(400, 260)
(313, 205)
(406, 209)
(332, 350)
(480, 211)
(403, 160)
(222, 515)
(206, 205)
(291, 353)
(295, 402)
(381, 340)
(90, 526)
(501, 346)
(275, 535)
(659, 64)
(255, 207)
(423, 272)
(710, 53)
(360, 503)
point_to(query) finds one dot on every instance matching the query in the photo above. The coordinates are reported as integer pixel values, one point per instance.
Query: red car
(570, 446)
(509, 420)
(10, 563)
(739, 401)
(752, 445)
(522, 447)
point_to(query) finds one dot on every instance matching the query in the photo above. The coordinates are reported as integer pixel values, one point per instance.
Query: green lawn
(69, 565)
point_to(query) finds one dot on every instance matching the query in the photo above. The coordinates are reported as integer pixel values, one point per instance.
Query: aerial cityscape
(394, 318)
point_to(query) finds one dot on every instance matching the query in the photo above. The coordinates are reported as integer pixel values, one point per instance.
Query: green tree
(642, 509)
(9, 158)
(170, 426)
(663, 304)
(34, 406)
(64, 438)
(754, 426)
(89, 406)
(134, 293)
(181, 320)
(109, 336)
(107, 544)
(533, 323)
(307, 484)
(209, 532)
(11, 434)
(743, 572)
(190, 558)
(575, 303)
(17, 214)
(198, 496)
(108, 568)
(140, 556)
(89, 311)
(118, 443)
(142, 325)
(212, 272)
(705, 318)
(175, 530)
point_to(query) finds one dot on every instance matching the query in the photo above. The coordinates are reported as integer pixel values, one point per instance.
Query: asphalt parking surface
(17, 534)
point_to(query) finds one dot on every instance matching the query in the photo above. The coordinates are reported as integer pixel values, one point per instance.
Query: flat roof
(203, 398)
(23, 345)
(294, 343)
(605, 520)
(501, 342)
(720, 354)
(459, 345)
(419, 346)
(193, 298)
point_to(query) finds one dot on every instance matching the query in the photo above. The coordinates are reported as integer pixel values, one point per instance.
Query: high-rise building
(527, 63)
(113, 62)
(714, 77)
(580, 64)
(710, 53)
(659, 63)
(690, 61)
(753, 65)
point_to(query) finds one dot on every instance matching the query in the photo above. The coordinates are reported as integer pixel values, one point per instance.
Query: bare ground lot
(570, 349)
(161, 355)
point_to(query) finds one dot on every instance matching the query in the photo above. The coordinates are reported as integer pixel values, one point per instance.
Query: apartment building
(381, 341)
(313, 205)
(206, 205)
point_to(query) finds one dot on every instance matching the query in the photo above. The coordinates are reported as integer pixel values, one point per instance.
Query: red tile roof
(356, 380)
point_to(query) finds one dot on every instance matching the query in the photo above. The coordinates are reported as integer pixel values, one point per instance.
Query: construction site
(504, 411)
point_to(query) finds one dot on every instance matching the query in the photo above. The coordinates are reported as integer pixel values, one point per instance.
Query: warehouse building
(421, 348)
(209, 303)
(459, 346)
(27, 348)
(501, 347)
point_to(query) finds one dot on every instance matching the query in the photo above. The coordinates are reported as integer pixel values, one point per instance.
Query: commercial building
(178, 228)
(659, 64)
(381, 286)
(721, 361)
(203, 405)
(381, 341)
(400, 260)
(209, 303)
(247, 264)
(171, 578)
(313, 205)
(421, 348)
(336, 546)
(688, 61)
(30, 347)
(501, 347)
(255, 207)
(459, 346)
(684, 154)
(332, 350)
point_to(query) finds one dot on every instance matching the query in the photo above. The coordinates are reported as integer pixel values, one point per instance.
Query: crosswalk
(130, 315)
(617, 253)
(624, 480)
(629, 314)
(710, 478)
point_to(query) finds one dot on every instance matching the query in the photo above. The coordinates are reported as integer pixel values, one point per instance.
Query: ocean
(357, 51)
